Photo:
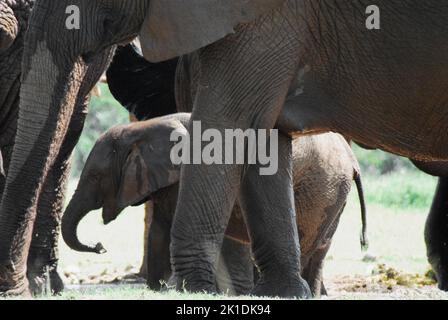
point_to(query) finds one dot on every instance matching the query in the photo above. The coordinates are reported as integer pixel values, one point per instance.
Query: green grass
(406, 189)
(128, 292)
(104, 112)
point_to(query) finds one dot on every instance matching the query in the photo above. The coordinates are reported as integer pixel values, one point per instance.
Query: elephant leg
(235, 272)
(436, 234)
(149, 209)
(158, 251)
(143, 272)
(312, 273)
(269, 209)
(43, 256)
(243, 83)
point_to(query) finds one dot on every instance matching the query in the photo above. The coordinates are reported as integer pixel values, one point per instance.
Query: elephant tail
(363, 238)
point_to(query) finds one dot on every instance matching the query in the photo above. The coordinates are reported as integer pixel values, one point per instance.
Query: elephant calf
(131, 164)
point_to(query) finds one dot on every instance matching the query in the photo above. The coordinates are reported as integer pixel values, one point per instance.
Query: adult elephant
(129, 69)
(43, 256)
(384, 88)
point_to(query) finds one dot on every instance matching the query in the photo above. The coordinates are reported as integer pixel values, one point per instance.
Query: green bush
(393, 181)
(404, 189)
(104, 113)
(377, 162)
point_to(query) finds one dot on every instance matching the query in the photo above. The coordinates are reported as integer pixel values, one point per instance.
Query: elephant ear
(176, 27)
(148, 167)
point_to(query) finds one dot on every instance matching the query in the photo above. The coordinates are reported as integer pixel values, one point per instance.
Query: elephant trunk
(75, 212)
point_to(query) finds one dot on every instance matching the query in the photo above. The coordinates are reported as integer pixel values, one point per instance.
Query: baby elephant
(131, 164)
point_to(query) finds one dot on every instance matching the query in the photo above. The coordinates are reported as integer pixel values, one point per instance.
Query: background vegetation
(104, 112)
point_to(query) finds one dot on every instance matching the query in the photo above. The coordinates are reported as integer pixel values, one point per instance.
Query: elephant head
(9, 26)
(126, 165)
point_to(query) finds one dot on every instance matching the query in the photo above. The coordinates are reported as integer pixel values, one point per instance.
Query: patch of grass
(404, 189)
(131, 292)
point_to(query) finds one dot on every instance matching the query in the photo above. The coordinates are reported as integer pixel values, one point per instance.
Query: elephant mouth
(143, 201)
(108, 220)
(110, 216)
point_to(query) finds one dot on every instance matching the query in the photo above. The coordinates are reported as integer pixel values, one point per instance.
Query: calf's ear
(134, 182)
(148, 167)
(176, 27)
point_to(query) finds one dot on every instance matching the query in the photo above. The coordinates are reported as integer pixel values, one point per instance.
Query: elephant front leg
(436, 234)
(268, 205)
(243, 83)
(201, 218)
(43, 256)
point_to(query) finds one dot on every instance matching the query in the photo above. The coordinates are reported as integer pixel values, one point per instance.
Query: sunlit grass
(400, 190)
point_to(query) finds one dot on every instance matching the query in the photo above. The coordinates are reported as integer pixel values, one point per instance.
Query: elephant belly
(385, 88)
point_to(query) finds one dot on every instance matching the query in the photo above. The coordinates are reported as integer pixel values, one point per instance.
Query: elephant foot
(45, 281)
(12, 284)
(442, 285)
(21, 290)
(294, 288)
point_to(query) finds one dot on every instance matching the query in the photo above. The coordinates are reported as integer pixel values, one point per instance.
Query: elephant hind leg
(436, 234)
(313, 271)
(273, 228)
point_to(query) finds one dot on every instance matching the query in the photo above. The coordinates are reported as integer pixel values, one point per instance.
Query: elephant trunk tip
(70, 221)
(99, 249)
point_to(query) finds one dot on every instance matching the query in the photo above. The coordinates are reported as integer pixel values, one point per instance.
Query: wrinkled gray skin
(29, 254)
(43, 256)
(383, 88)
(135, 162)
